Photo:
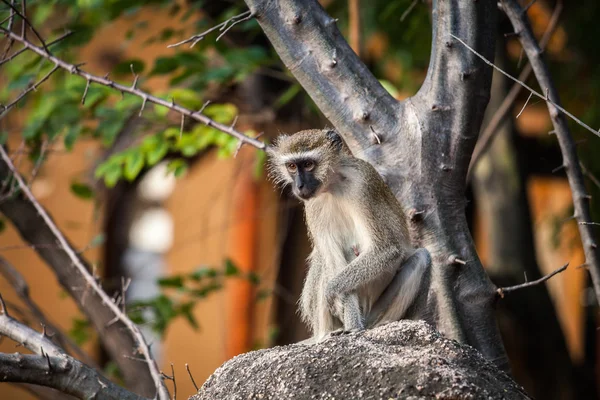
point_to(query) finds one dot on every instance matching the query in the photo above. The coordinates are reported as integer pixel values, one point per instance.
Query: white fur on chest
(343, 231)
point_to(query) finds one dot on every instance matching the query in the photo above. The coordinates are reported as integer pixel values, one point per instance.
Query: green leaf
(3, 137)
(133, 164)
(71, 136)
(254, 278)
(230, 268)
(171, 281)
(186, 310)
(82, 190)
(260, 162)
(263, 294)
(80, 331)
(287, 96)
(203, 272)
(124, 67)
(164, 65)
(177, 167)
(155, 148)
(112, 176)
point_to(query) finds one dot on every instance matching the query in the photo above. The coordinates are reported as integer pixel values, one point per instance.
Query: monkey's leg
(367, 269)
(402, 290)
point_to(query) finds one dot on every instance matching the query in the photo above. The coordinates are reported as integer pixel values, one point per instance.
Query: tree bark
(421, 146)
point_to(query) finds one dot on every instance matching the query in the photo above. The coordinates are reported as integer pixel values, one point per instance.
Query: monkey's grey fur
(362, 270)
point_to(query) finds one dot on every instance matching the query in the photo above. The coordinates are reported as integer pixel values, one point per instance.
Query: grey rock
(400, 360)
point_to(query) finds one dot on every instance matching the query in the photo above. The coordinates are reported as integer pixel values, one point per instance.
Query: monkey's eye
(309, 165)
(291, 167)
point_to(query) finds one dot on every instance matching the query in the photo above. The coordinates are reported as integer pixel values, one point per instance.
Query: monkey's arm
(310, 292)
(402, 290)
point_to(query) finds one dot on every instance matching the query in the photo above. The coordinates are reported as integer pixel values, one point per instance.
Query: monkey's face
(306, 161)
(302, 174)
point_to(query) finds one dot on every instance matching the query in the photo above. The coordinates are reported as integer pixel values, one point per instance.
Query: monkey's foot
(342, 331)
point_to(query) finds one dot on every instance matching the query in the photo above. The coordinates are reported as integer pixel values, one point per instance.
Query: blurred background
(215, 253)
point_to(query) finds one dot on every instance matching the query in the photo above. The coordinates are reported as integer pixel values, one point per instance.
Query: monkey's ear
(334, 138)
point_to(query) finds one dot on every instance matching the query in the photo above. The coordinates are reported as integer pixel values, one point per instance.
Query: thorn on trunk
(453, 259)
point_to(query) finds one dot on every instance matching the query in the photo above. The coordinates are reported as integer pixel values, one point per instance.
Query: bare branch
(546, 98)
(408, 10)
(223, 27)
(26, 22)
(79, 268)
(489, 133)
(33, 87)
(567, 146)
(62, 373)
(187, 367)
(5, 59)
(74, 69)
(502, 291)
(19, 284)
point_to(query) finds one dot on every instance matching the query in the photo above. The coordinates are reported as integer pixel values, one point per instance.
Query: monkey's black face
(305, 183)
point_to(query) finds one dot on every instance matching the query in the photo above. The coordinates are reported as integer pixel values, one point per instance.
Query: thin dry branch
(5, 59)
(146, 97)
(21, 14)
(19, 284)
(502, 291)
(7, 107)
(567, 145)
(546, 97)
(223, 27)
(62, 373)
(489, 133)
(91, 283)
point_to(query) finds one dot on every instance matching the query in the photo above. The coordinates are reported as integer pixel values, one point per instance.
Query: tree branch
(311, 46)
(489, 133)
(73, 272)
(518, 18)
(133, 90)
(62, 373)
(504, 290)
(16, 280)
(51, 366)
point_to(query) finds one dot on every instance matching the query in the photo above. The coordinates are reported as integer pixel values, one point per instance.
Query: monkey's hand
(344, 306)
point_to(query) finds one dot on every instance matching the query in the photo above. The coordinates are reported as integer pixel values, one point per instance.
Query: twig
(489, 133)
(5, 108)
(590, 176)
(502, 291)
(19, 284)
(91, 282)
(565, 140)
(21, 51)
(187, 367)
(224, 27)
(533, 91)
(74, 69)
(23, 17)
(408, 10)
(524, 105)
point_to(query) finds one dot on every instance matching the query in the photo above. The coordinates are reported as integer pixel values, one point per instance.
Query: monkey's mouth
(305, 193)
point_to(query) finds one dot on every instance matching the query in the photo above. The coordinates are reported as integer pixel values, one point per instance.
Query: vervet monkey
(358, 231)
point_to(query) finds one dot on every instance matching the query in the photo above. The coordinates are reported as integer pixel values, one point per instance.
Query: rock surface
(400, 360)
